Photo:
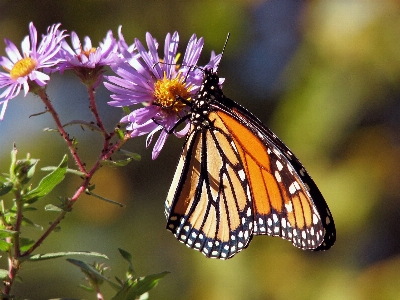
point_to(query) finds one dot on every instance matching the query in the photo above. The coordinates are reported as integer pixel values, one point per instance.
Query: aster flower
(27, 69)
(157, 84)
(87, 61)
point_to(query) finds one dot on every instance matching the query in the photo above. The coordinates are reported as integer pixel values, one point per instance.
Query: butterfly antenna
(223, 48)
(226, 43)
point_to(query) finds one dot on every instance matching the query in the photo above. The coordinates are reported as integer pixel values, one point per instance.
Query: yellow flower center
(23, 68)
(169, 92)
(87, 52)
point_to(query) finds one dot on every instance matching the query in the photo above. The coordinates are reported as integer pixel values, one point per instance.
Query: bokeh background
(323, 75)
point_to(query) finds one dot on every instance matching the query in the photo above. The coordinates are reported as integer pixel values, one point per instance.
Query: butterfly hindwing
(207, 204)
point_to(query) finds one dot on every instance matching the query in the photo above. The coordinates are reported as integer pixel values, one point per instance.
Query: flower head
(87, 61)
(30, 67)
(161, 85)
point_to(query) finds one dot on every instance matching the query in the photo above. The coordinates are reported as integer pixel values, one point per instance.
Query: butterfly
(236, 179)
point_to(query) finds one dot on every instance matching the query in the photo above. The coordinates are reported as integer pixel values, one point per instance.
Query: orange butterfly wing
(236, 179)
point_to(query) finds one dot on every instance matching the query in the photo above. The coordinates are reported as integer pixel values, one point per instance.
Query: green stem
(77, 194)
(13, 257)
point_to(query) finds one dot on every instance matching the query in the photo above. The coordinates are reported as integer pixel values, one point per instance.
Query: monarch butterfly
(236, 179)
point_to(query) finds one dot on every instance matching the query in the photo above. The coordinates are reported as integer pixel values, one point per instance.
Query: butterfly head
(209, 92)
(210, 87)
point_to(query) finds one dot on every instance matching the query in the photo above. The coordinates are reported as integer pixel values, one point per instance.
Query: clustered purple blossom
(142, 77)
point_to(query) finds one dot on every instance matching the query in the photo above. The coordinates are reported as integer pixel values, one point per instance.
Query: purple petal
(159, 144)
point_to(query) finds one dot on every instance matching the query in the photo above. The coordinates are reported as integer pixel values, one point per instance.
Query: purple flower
(24, 70)
(88, 61)
(161, 85)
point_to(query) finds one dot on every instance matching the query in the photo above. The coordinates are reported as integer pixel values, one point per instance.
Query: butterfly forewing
(291, 166)
(281, 203)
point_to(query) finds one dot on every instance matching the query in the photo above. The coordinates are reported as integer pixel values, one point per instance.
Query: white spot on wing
(248, 193)
(315, 219)
(275, 217)
(242, 175)
(292, 188)
(249, 212)
(289, 207)
(278, 176)
(279, 165)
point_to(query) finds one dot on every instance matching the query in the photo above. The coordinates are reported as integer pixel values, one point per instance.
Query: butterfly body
(236, 179)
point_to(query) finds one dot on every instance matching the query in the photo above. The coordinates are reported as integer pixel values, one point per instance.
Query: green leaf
(31, 169)
(128, 257)
(145, 284)
(7, 233)
(5, 187)
(69, 171)
(24, 169)
(3, 274)
(4, 246)
(14, 152)
(52, 207)
(90, 271)
(126, 110)
(117, 163)
(25, 244)
(87, 191)
(139, 287)
(28, 222)
(120, 133)
(48, 183)
(38, 257)
(86, 288)
(135, 156)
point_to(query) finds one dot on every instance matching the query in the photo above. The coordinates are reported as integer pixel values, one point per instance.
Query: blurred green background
(323, 75)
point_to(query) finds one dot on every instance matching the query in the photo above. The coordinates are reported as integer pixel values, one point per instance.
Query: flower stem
(77, 194)
(13, 257)
(95, 112)
(42, 94)
(108, 150)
